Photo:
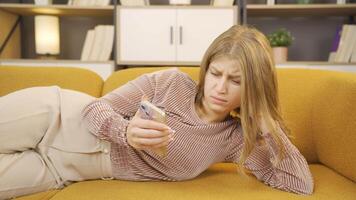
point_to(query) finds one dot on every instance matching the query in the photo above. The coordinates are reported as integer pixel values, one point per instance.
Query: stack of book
(98, 43)
(270, 2)
(222, 2)
(135, 2)
(345, 45)
(89, 2)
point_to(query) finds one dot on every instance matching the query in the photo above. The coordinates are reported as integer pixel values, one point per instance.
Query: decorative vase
(280, 54)
(179, 2)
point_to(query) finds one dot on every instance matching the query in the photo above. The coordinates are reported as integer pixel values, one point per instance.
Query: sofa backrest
(334, 122)
(123, 76)
(308, 101)
(327, 101)
(15, 78)
(296, 94)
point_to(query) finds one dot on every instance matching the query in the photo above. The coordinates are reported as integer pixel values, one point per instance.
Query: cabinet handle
(171, 34)
(180, 35)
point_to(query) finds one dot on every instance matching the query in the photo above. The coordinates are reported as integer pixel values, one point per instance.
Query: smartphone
(151, 112)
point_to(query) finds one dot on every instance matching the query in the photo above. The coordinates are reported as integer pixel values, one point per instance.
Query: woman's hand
(262, 124)
(143, 134)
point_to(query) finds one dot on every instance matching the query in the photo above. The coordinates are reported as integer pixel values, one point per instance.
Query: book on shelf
(135, 2)
(98, 43)
(346, 44)
(335, 44)
(331, 56)
(88, 43)
(353, 56)
(43, 2)
(270, 2)
(97, 47)
(89, 2)
(222, 2)
(336, 39)
(345, 1)
(107, 44)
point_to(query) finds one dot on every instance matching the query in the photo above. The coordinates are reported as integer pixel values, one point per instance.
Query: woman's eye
(214, 74)
(236, 82)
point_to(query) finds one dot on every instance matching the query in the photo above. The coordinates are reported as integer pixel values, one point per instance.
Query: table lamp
(47, 36)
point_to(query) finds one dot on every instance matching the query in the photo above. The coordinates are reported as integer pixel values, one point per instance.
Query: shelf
(177, 6)
(252, 9)
(58, 10)
(301, 10)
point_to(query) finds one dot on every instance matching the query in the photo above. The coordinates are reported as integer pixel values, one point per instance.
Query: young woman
(232, 115)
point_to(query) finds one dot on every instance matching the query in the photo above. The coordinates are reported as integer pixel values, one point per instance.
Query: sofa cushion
(40, 196)
(220, 181)
(15, 78)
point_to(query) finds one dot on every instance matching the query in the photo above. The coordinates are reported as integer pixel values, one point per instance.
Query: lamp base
(47, 57)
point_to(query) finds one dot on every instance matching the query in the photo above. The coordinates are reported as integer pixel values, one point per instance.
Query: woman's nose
(221, 86)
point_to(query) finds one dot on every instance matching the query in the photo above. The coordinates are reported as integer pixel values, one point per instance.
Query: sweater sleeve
(291, 174)
(108, 117)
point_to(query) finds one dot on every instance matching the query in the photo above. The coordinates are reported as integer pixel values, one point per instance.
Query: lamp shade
(47, 34)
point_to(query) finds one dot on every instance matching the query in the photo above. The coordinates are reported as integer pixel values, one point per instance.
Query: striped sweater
(196, 145)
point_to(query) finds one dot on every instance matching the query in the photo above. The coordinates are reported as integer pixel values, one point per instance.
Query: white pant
(44, 143)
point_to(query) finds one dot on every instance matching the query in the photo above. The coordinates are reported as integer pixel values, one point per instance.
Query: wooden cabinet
(146, 34)
(169, 35)
(197, 28)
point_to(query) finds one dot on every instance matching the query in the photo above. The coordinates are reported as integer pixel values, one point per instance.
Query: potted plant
(280, 40)
(304, 1)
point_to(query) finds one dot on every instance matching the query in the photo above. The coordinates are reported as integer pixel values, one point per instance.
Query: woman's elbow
(302, 186)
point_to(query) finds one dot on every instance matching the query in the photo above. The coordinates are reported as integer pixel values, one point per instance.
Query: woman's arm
(290, 174)
(107, 117)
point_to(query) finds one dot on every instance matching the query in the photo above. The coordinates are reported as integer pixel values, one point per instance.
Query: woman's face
(222, 90)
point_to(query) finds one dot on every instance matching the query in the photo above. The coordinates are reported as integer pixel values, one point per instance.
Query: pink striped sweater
(196, 145)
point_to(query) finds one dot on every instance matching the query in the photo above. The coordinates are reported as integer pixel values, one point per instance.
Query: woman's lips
(217, 100)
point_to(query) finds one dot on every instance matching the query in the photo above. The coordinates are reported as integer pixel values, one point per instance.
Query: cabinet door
(146, 35)
(197, 28)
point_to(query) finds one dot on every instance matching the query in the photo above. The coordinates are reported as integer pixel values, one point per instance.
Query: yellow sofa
(319, 107)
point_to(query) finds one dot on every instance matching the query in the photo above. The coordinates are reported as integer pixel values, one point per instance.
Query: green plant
(280, 38)
(304, 1)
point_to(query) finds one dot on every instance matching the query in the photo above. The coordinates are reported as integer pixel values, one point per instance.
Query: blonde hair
(259, 90)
